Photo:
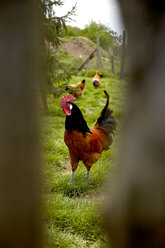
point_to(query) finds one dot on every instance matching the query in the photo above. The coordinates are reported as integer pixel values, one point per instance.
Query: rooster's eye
(70, 106)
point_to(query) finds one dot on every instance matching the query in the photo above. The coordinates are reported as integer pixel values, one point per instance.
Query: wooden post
(112, 63)
(123, 56)
(88, 65)
(99, 62)
(20, 207)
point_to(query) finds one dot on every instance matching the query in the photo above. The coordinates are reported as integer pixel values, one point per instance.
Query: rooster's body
(76, 90)
(87, 144)
(96, 80)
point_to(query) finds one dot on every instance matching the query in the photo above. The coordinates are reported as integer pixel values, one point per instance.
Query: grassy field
(72, 213)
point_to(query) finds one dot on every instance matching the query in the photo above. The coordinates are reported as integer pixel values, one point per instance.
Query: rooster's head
(65, 104)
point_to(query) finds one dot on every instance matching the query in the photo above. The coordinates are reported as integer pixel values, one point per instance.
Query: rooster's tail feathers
(106, 120)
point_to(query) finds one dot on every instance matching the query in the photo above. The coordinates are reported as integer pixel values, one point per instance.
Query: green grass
(72, 211)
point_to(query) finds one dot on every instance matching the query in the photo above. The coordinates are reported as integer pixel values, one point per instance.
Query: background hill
(80, 47)
(75, 50)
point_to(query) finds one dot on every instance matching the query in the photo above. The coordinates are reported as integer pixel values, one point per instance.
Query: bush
(91, 73)
(63, 52)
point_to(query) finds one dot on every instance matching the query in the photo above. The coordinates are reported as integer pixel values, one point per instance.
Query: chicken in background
(76, 89)
(83, 143)
(96, 80)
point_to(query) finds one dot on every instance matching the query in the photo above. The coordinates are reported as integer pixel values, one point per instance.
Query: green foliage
(52, 26)
(54, 71)
(88, 73)
(72, 31)
(91, 73)
(57, 74)
(107, 37)
(72, 212)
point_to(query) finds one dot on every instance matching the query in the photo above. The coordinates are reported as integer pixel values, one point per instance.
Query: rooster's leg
(71, 179)
(88, 179)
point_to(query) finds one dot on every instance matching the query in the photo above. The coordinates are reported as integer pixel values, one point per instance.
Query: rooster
(96, 80)
(76, 89)
(83, 143)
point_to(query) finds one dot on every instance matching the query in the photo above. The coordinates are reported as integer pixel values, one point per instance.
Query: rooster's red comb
(66, 99)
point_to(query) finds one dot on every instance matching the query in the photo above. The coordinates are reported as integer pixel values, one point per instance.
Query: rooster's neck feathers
(76, 121)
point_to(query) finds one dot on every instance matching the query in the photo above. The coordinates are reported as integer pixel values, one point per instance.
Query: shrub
(91, 73)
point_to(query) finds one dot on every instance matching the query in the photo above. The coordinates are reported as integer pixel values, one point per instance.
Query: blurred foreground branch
(20, 213)
(135, 211)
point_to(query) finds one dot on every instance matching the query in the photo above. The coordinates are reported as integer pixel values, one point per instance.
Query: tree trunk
(43, 97)
(123, 56)
(20, 215)
(99, 62)
(112, 63)
(135, 210)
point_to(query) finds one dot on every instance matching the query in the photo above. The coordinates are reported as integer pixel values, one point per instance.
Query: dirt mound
(80, 47)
